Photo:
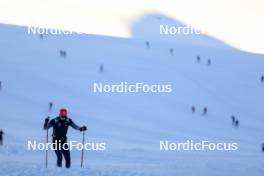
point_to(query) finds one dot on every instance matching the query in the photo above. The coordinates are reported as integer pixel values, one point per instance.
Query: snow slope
(32, 74)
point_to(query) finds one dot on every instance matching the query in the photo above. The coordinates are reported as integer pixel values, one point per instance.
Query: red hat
(63, 112)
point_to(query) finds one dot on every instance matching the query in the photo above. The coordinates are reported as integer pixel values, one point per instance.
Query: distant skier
(262, 147)
(60, 127)
(50, 105)
(237, 123)
(171, 51)
(147, 44)
(193, 109)
(101, 68)
(63, 54)
(1, 137)
(262, 79)
(209, 62)
(205, 111)
(198, 59)
(0, 85)
(233, 120)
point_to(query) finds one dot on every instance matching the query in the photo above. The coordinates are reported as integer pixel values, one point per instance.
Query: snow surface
(33, 74)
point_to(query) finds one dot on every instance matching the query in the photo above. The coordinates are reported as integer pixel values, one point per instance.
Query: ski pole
(47, 140)
(82, 151)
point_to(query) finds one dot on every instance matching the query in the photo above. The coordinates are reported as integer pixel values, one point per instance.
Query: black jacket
(1, 134)
(60, 127)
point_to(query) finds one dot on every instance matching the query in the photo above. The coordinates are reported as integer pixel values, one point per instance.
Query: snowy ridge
(148, 27)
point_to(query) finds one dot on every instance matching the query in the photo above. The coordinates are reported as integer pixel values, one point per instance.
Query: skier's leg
(67, 156)
(57, 152)
(59, 157)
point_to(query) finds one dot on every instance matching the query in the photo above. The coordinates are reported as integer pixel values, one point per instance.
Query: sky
(240, 23)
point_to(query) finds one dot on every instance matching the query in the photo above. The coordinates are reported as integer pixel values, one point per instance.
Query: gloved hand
(83, 128)
(47, 120)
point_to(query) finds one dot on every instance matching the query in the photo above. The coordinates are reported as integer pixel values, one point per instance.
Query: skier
(171, 51)
(147, 44)
(233, 120)
(1, 137)
(60, 126)
(209, 62)
(63, 53)
(262, 147)
(193, 109)
(50, 105)
(205, 111)
(198, 59)
(236, 123)
(101, 68)
(262, 78)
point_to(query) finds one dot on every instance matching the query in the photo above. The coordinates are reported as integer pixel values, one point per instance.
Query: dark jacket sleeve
(74, 126)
